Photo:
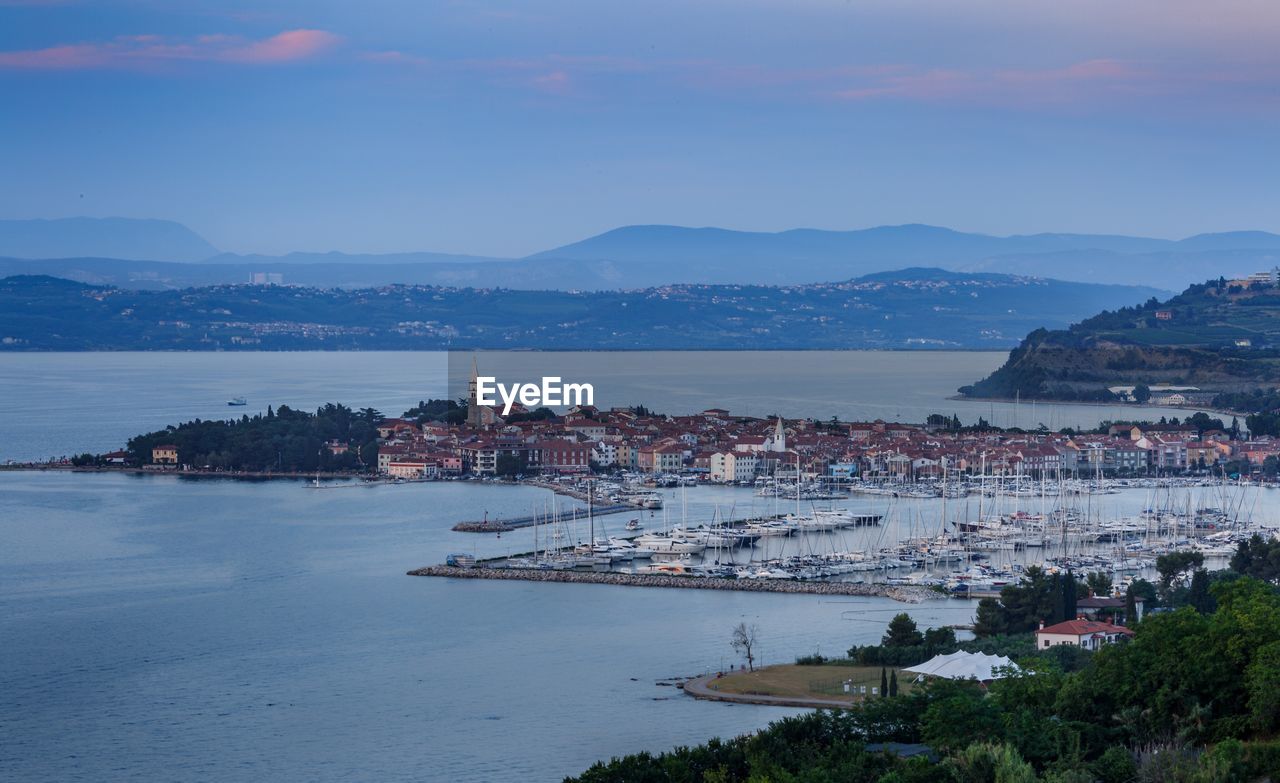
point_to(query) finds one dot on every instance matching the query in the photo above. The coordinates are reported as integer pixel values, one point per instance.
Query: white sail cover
(963, 666)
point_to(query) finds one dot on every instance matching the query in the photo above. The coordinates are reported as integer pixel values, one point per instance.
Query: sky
(505, 128)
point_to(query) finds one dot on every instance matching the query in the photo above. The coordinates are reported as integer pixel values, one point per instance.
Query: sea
(165, 628)
(58, 404)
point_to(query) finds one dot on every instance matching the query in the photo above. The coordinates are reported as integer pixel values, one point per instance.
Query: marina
(966, 539)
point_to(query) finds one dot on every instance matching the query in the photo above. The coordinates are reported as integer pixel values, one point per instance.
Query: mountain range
(162, 254)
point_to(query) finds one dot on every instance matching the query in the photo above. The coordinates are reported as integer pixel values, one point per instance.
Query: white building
(730, 466)
(1089, 634)
(411, 469)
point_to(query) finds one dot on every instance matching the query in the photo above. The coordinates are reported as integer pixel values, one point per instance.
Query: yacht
(669, 543)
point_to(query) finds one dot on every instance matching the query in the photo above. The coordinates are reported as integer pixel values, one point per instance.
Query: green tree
(1173, 566)
(959, 715)
(893, 683)
(938, 639)
(990, 619)
(1099, 583)
(1198, 596)
(1115, 765)
(1259, 558)
(902, 632)
(1070, 593)
(884, 682)
(985, 762)
(1262, 680)
(1142, 394)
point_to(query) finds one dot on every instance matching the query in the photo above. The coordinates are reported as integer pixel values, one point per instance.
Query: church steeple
(474, 416)
(779, 437)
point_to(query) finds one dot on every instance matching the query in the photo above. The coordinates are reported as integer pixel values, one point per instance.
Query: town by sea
(162, 627)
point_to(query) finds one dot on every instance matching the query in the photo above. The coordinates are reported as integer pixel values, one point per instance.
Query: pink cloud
(557, 82)
(55, 58)
(284, 47)
(151, 51)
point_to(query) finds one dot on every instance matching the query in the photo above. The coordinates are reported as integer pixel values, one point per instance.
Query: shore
(236, 474)
(904, 593)
(699, 688)
(1190, 409)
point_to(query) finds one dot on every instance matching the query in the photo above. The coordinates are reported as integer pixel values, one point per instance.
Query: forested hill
(1215, 336)
(914, 308)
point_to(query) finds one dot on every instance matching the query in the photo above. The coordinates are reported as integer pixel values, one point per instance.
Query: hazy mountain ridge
(123, 238)
(922, 309)
(643, 256)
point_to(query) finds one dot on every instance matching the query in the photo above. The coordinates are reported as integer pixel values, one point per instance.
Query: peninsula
(1215, 344)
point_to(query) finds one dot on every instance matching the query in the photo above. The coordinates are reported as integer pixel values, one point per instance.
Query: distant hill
(1223, 340)
(156, 254)
(353, 273)
(810, 254)
(908, 243)
(125, 238)
(911, 309)
(362, 259)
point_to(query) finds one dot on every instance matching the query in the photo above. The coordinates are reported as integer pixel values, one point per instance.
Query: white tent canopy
(963, 666)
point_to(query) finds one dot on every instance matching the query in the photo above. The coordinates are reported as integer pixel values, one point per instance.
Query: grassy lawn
(818, 682)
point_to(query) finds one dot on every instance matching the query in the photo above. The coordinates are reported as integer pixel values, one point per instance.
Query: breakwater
(504, 525)
(907, 594)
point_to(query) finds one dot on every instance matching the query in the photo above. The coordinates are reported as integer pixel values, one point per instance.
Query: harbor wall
(905, 593)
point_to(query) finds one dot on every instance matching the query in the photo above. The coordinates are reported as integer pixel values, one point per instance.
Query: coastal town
(778, 504)
(442, 439)
(718, 446)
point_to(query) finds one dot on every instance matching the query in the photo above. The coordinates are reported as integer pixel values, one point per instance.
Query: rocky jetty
(903, 593)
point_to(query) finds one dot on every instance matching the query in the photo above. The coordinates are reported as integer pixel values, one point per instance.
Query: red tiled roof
(1084, 628)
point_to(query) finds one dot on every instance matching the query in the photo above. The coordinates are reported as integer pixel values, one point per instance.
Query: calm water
(59, 404)
(153, 627)
(162, 628)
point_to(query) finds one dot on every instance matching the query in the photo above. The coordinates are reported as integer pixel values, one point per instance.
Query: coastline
(247, 475)
(698, 688)
(1191, 409)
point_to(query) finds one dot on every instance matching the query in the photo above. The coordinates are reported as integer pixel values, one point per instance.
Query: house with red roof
(1087, 634)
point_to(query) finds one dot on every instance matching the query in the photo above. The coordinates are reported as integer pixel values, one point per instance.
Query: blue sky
(509, 127)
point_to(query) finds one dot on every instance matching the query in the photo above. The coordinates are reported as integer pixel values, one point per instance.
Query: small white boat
(237, 401)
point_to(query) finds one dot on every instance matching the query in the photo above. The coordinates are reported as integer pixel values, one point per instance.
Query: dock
(504, 525)
(905, 593)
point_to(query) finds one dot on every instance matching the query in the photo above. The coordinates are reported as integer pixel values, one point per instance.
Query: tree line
(1194, 697)
(283, 439)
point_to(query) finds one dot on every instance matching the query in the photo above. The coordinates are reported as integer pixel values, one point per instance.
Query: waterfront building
(732, 466)
(661, 458)
(412, 469)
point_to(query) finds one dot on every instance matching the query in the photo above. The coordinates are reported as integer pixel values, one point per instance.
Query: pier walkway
(504, 525)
